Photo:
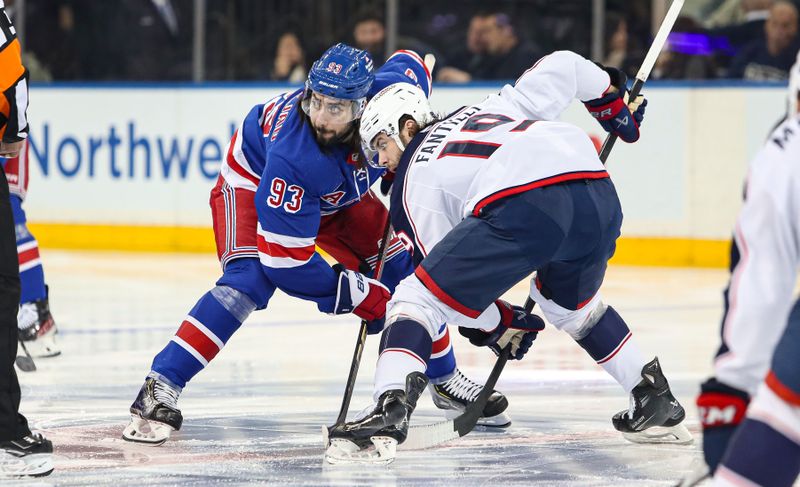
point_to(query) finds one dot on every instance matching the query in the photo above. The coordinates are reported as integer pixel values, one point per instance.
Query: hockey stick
(25, 362)
(362, 337)
(428, 435)
(647, 66)
(641, 77)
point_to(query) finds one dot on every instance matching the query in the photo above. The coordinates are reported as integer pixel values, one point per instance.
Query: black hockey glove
(611, 110)
(722, 408)
(517, 329)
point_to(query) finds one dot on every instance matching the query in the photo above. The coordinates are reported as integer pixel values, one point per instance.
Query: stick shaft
(647, 66)
(362, 331)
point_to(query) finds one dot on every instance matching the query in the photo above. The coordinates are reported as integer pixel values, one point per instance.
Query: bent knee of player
(576, 323)
(774, 408)
(413, 301)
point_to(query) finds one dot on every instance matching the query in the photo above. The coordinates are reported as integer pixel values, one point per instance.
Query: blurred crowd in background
(277, 40)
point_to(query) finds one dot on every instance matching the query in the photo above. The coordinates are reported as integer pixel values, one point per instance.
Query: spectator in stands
(290, 58)
(369, 34)
(623, 51)
(770, 57)
(469, 59)
(507, 53)
(751, 27)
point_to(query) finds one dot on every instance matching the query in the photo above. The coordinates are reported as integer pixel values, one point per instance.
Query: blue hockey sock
(442, 363)
(31, 274)
(761, 455)
(201, 336)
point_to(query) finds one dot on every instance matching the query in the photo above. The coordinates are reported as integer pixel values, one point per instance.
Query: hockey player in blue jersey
(295, 178)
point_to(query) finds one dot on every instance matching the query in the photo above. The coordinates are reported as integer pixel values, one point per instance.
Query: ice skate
(459, 391)
(37, 330)
(654, 415)
(373, 438)
(154, 413)
(29, 456)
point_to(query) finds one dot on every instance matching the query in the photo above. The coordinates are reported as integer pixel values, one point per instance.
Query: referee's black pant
(12, 424)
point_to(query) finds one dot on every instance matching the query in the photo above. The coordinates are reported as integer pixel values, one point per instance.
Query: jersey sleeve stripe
(443, 296)
(235, 174)
(559, 178)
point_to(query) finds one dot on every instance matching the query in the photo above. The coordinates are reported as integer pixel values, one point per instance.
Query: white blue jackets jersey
(767, 236)
(499, 147)
(296, 182)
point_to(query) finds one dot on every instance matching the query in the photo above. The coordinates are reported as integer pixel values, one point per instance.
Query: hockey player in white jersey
(485, 197)
(750, 409)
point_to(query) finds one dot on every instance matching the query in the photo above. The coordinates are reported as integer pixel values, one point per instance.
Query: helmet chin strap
(400, 143)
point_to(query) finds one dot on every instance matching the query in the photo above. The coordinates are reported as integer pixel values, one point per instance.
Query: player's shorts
(566, 232)
(233, 211)
(351, 235)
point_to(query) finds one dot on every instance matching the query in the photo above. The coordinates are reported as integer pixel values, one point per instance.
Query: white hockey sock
(625, 365)
(392, 368)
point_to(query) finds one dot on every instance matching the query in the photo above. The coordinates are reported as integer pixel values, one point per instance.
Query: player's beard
(332, 138)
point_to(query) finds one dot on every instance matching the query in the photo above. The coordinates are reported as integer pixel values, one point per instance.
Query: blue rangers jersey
(274, 153)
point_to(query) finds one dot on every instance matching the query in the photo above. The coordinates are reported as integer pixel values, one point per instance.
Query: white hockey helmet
(384, 111)
(794, 87)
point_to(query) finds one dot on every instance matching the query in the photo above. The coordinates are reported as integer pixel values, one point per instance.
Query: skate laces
(166, 394)
(462, 387)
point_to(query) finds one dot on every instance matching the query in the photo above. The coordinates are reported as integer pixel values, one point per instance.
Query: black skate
(384, 427)
(459, 391)
(37, 329)
(654, 415)
(154, 413)
(29, 456)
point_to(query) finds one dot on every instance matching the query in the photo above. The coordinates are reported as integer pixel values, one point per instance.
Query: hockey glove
(612, 112)
(360, 295)
(516, 328)
(722, 408)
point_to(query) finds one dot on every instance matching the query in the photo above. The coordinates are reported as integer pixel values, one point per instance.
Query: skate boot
(383, 427)
(654, 415)
(154, 413)
(37, 330)
(29, 456)
(459, 391)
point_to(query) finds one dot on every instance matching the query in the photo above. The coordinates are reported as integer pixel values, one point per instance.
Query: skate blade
(151, 433)
(675, 435)
(36, 465)
(343, 451)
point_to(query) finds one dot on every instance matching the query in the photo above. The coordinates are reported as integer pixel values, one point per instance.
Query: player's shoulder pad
(404, 66)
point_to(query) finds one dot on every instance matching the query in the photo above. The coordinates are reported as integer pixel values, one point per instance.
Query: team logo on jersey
(410, 74)
(333, 198)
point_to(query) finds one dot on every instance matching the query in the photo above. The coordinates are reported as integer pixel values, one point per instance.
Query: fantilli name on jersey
(502, 146)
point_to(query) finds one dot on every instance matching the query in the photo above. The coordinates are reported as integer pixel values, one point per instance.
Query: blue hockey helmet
(343, 72)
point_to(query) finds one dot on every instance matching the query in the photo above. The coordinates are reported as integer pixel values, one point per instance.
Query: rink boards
(130, 167)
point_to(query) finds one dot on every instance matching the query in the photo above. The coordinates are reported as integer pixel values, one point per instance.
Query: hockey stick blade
(429, 435)
(647, 65)
(25, 362)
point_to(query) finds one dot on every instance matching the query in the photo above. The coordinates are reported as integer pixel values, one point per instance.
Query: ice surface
(254, 415)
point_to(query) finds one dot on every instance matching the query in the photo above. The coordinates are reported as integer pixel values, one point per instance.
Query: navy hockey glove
(360, 295)
(722, 408)
(612, 112)
(516, 328)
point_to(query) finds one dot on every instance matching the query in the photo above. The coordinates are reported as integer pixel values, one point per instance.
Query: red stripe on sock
(198, 340)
